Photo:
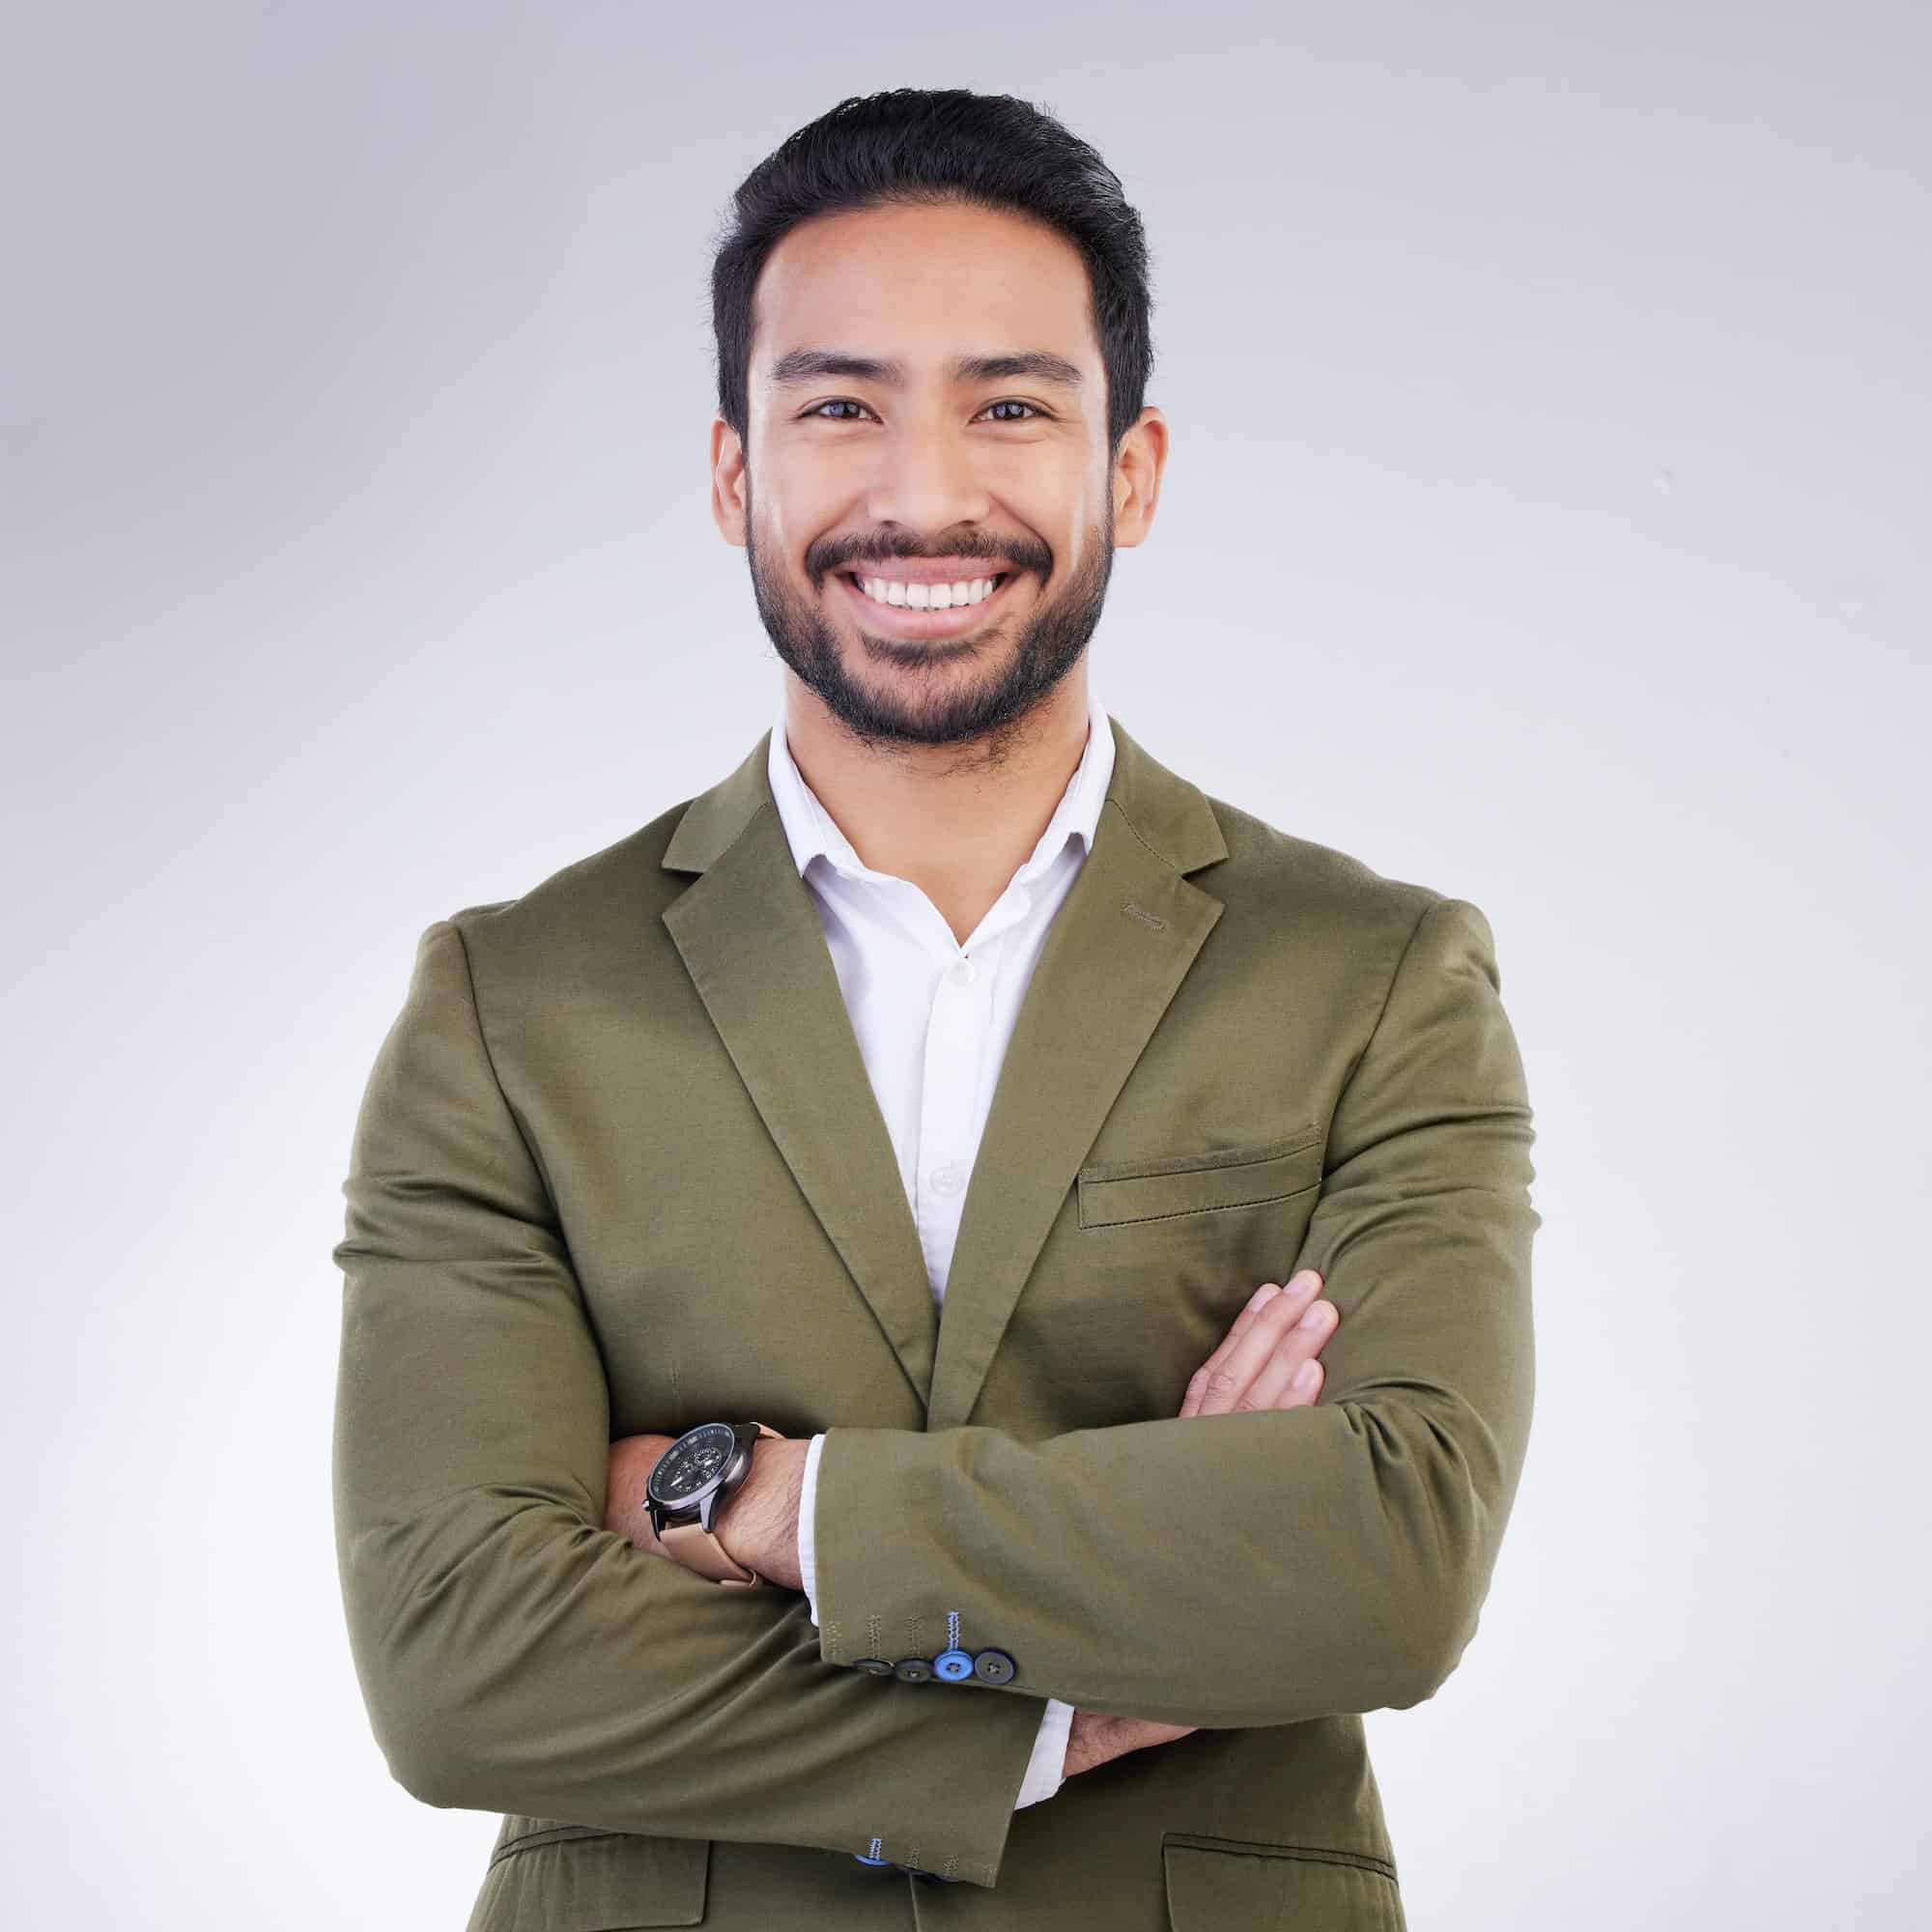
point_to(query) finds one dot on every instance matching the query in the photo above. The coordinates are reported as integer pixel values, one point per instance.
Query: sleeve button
(913, 1669)
(953, 1664)
(995, 1666)
(877, 1666)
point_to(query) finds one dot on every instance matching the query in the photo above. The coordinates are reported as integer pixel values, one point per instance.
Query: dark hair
(934, 144)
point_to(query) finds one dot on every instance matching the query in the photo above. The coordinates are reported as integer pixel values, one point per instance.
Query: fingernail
(1304, 1376)
(1316, 1315)
(1264, 1293)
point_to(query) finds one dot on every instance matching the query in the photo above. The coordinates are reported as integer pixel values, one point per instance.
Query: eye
(846, 403)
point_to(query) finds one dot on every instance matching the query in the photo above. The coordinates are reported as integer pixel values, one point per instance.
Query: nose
(926, 480)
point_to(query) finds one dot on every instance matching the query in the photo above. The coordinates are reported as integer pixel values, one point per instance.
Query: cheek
(799, 494)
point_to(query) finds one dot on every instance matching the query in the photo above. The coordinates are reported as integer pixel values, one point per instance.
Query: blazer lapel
(755, 952)
(1117, 953)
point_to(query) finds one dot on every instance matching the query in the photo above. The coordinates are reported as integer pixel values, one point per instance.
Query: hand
(1257, 1363)
(1094, 1738)
(1253, 1369)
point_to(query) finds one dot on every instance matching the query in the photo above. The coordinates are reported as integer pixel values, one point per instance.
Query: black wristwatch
(688, 1488)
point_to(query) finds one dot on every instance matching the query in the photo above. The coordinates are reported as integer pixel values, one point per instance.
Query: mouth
(898, 620)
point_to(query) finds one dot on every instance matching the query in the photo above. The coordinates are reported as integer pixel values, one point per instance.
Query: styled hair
(910, 146)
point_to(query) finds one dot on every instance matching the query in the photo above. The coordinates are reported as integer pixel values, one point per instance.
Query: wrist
(1087, 1741)
(759, 1527)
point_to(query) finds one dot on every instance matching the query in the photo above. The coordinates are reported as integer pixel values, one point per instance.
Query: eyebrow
(809, 366)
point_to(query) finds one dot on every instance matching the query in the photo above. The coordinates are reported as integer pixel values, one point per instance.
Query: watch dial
(691, 1462)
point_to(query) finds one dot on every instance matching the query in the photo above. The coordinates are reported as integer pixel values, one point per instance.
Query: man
(816, 1422)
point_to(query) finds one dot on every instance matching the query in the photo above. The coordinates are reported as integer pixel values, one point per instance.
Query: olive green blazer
(619, 1168)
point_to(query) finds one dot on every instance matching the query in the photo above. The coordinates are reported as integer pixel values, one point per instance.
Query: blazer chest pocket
(1114, 1193)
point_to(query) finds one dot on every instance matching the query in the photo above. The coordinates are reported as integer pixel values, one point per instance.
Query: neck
(958, 820)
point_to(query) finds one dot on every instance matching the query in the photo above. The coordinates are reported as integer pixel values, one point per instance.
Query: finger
(1275, 1385)
(1198, 1381)
(1299, 1286)
(1211, 1374)
(1224, 1381)
(1300, 1387)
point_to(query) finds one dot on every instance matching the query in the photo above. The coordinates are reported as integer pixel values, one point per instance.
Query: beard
(936, 707)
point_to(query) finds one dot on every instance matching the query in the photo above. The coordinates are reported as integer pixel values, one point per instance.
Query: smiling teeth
(927, 596)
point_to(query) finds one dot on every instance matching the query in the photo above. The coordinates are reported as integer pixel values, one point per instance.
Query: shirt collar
(813, 833)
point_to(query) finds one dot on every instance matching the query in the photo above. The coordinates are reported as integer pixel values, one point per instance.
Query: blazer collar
(1117, 953)
(1165, 810)
(812, 832)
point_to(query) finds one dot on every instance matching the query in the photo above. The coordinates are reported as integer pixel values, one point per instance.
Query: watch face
(692, 1464)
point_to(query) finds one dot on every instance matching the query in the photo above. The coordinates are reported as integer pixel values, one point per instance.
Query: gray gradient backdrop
(1548, 398)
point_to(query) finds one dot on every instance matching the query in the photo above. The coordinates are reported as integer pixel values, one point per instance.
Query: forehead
(923, 285)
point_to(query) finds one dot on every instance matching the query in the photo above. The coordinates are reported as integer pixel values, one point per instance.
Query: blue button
(865, 1861)
(913, 1669)
(953, 1664)
(994, 1665)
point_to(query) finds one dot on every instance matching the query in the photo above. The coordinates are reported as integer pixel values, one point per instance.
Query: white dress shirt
(933, 1018)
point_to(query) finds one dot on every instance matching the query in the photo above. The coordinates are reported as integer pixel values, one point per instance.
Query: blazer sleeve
(1046, 1770)
(1270, 1566)
(515, 1656)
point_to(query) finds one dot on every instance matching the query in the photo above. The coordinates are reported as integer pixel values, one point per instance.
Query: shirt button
(995, 1666)
(949, 1177)
(913, 1670)
(877, 1666)
(964, 973)
(953, 1664)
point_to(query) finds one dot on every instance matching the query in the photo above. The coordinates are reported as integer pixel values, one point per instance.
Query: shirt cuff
(1047, 1771)
(808, 1567)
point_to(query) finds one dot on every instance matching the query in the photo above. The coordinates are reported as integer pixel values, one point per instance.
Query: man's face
(925, 469)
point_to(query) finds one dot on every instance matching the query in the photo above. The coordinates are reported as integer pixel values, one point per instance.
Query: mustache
(1009, 555)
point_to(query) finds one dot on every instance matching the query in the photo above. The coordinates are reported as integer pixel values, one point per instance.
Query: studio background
(1544, 523)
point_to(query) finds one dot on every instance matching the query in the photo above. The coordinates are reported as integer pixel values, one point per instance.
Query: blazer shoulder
(602, 906)
(1301, 881)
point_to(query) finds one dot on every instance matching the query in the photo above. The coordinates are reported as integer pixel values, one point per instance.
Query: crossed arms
(1268, 1359)
(517, 1655)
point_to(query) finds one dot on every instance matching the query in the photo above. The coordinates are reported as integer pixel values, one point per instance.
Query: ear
(1136, 477)
(727, 481)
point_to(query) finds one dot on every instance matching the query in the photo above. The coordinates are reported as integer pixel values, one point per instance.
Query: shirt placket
(958, 1035)
(956, 1044)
